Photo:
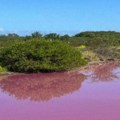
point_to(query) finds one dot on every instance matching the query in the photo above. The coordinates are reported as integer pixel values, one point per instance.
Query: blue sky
(59, 15)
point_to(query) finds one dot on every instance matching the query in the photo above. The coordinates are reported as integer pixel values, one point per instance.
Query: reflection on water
(93, 100)
(41, 87)
(104, 73)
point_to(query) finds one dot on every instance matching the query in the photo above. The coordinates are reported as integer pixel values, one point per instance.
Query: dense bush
(40, 55)
(95, 39)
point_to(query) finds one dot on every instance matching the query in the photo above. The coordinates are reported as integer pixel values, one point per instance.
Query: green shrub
(40, 55)
(2, 69)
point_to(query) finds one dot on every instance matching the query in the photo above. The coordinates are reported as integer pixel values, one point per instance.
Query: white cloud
(1, 29)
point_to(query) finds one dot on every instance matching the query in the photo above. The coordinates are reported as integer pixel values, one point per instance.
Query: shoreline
(93, 65)
(89, 66)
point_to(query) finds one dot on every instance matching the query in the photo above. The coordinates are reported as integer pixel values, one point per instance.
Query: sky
(71, 16)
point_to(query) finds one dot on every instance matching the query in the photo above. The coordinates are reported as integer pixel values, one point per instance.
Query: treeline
(91, 39)
(102, 38)
(52, 36)
(13, 37)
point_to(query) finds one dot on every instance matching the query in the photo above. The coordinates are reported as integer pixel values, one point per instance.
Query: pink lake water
(62, 96)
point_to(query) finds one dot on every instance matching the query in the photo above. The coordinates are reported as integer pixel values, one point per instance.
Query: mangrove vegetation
(54, 52)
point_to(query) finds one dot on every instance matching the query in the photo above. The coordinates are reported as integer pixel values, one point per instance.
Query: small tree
(65, 37)
(13, 35)
(52, 36)
(36, 35)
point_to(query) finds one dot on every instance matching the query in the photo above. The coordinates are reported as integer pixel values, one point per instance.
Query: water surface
(62, 96)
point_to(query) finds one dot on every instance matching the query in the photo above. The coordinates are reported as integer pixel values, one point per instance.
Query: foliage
(36, 35)
(65, 37)
(2, 69)
(95, 39)
(52, 36)
(104, 44)
(40, 55)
